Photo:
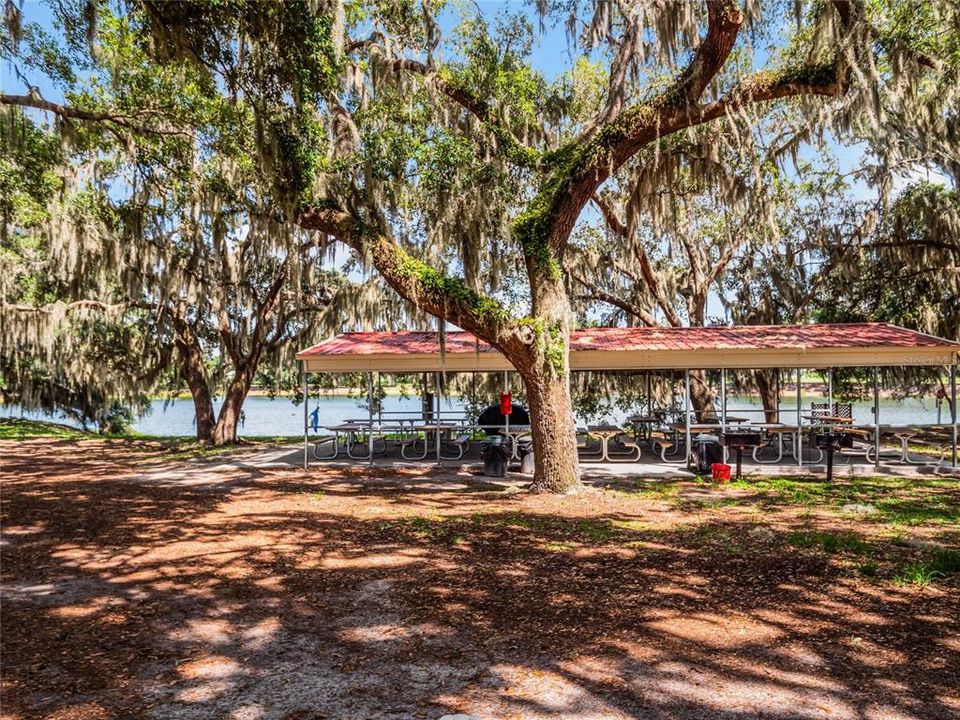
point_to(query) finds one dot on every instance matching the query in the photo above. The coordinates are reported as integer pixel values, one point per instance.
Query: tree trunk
(545, 369)
(195, 375)
(225, 433)
(556, 464)
(426, 399)
(766, 382)
(701, 398)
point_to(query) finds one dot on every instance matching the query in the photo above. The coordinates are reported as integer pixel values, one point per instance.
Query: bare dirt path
(195, 590)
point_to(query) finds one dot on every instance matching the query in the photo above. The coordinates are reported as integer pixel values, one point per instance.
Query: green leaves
(29, 159)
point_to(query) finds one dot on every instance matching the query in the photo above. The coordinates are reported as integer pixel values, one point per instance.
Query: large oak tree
(427, 158)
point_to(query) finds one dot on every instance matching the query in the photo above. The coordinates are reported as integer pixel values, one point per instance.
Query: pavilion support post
(799, 421)
(723, 408)
(686, 414)
(506, 418)
(306, 417)
(778, 377)
(436, 414)
(876, 418)
(830, 391)
(953, 413)
(370, 417)
(649, 397)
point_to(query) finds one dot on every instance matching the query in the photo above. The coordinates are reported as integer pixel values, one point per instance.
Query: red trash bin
(720, 471)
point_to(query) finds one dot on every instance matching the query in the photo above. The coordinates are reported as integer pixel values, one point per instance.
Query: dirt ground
(133, 587)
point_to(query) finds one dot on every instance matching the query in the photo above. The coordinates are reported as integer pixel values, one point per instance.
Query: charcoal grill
(740, 441)
(831, 442)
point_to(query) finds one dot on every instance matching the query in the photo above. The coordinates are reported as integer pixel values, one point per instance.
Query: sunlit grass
(918, 574)
(19, 429)
(901, 501)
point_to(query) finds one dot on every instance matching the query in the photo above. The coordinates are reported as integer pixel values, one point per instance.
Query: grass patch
(19, 429)
(829, 542)
(712, 504)
(795, 491)
(662, 490)
(631, 525)
(551, 533)
(899, 501)
(918, 574)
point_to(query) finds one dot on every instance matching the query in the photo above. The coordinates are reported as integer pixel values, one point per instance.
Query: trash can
(706, 451)
(527, 465)
(494, 455)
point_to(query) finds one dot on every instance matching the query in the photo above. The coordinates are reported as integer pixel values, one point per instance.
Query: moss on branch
(428, 284)
(535, 224)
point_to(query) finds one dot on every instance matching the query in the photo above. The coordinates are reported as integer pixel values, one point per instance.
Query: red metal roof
(740, 337)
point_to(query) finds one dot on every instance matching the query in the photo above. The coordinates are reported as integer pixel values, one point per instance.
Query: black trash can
(494, 454)
(707, 450)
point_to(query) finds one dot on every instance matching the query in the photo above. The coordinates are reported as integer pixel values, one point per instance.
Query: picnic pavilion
(649, 349)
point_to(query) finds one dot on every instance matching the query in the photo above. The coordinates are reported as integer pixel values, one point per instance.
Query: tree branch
(444, 297)
(33, 100)
(724, 19)
(602, 295)
(514, 150)
(645, 265)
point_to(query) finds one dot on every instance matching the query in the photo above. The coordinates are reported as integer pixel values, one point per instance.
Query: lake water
(264, 416)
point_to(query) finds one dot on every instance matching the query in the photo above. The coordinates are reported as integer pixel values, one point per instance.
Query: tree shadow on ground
(278, 594)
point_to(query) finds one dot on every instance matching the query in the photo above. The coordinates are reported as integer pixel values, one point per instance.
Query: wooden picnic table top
(604, 430)
(436, 426)
(825, 419)
(346, 426)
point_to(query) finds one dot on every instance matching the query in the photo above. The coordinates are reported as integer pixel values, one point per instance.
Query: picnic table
(778, 431)
(515, 432)
(605, 433)
(905, 434)
(350, 430)
(643, 425)
(437, 429)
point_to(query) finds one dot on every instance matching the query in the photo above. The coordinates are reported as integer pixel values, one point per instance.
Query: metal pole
(777, 377)
(370, 416)
(953, 411)
(379, 402)
(799, 423)
(830, 390)
(723, 408)
(686, 412)
(506, 423)
(876, 418)
(436, 379)
(649, 398)
(306, 416)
